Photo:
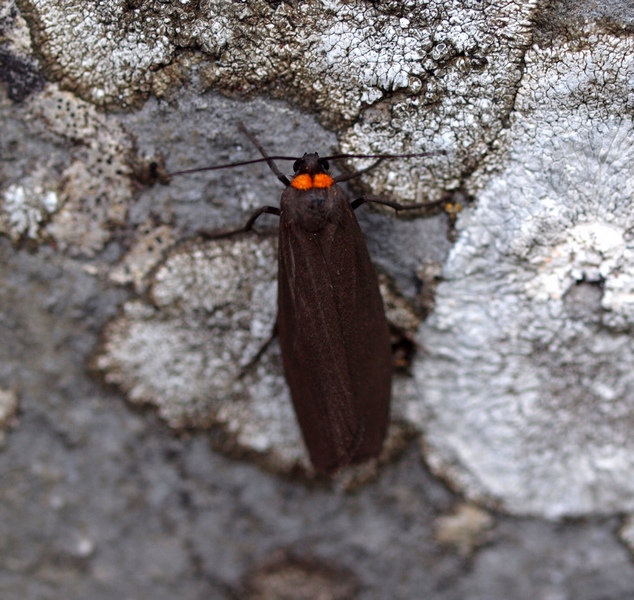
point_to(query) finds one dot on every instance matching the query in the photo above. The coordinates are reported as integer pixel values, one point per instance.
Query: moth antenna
(387, 156)
(231, 165)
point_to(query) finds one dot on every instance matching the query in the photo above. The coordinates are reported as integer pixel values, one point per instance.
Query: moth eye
(296, 165)
(324, 163)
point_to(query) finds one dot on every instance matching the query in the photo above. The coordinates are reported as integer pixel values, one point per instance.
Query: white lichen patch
(458, 65)
(24, 207)
(440, 75)
(107, 49)
(527, 390)
(93, 191)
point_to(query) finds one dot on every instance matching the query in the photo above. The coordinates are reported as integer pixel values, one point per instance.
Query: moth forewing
(332, 327)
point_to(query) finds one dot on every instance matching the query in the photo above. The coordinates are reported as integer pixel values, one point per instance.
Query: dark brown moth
(331, 322)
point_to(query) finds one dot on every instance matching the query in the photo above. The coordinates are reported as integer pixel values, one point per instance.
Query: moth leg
(270, 210)
(245, 370)
(212, 235)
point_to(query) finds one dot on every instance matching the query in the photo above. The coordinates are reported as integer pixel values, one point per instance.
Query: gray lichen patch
(528, 391)
(213, 307)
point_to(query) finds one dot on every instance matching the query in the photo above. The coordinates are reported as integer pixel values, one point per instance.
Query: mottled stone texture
(520, 307)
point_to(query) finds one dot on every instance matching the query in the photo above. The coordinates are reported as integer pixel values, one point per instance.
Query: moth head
(310, 164)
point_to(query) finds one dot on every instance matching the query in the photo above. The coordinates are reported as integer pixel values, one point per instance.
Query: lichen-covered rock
(527, 393)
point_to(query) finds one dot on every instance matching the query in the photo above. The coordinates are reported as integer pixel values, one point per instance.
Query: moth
(331, 322)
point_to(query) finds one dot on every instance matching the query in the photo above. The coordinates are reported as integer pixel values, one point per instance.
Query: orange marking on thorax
(322, 180)
(302, 182)
(306, 182)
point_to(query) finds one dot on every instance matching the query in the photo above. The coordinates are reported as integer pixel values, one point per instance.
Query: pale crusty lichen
(213, 307)
(93, 191)
(152, 241)
(465, 528)
(105, 51)
(347, 55)
(440, 75)
(190, 352)
(77, 193)
(527, 393)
